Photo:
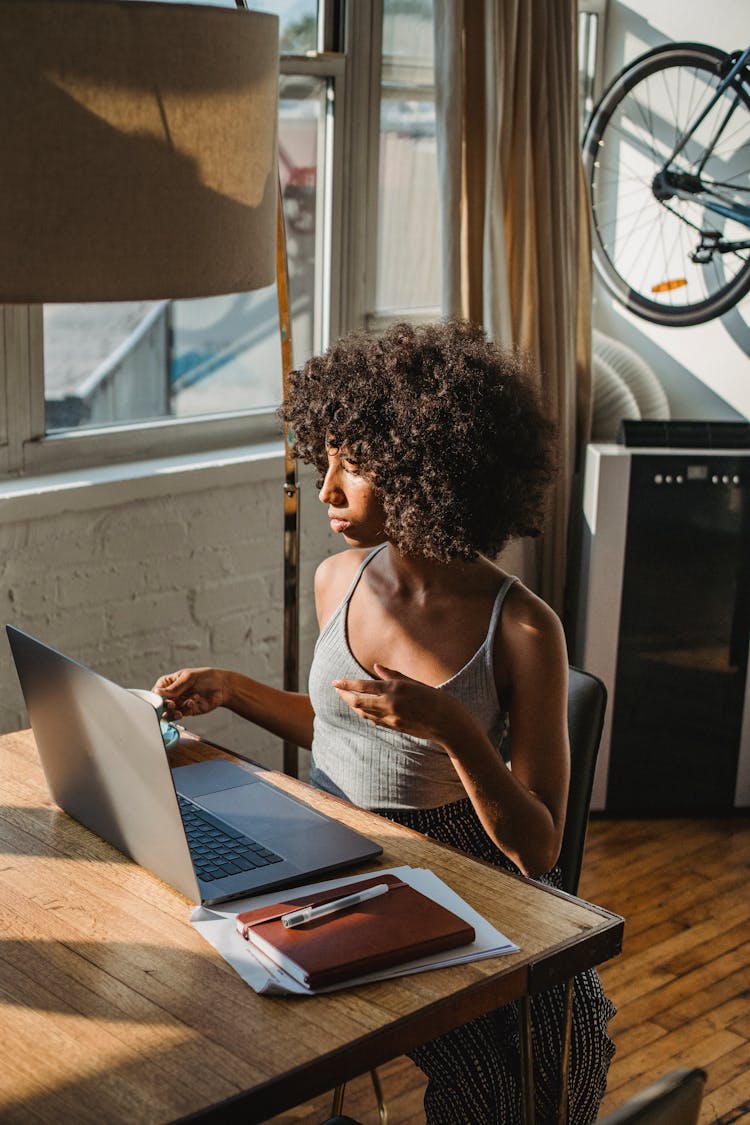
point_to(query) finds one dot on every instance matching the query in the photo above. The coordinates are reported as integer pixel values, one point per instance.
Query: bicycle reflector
(668, 286)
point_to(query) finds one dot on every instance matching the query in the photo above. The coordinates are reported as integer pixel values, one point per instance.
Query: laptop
(105, 763)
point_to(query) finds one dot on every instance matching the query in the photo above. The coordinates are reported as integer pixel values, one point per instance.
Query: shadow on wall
(628, 34)
(738, 328)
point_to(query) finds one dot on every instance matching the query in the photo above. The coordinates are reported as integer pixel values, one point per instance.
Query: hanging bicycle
(667, 159)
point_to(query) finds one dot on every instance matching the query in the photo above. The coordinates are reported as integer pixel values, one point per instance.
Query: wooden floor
(681, 984)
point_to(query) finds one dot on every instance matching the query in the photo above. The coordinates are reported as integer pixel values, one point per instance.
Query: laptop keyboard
(217, 848)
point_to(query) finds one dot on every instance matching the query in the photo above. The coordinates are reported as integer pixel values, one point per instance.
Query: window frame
(355, 170)
(593, 15)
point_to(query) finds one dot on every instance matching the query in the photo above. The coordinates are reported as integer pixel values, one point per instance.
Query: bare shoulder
(333, 577)
(530, 630)
(527, 609)
(341, 566)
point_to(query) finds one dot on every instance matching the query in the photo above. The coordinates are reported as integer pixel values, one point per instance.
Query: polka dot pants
(474, 1071)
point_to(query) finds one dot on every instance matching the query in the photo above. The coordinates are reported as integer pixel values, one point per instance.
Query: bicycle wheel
(645, 240)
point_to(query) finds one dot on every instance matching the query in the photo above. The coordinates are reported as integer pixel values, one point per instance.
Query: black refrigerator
(677, 617)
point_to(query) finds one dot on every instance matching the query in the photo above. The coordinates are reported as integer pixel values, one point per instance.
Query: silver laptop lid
(104, 760)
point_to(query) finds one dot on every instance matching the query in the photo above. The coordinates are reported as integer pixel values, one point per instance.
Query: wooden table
(114, 1009)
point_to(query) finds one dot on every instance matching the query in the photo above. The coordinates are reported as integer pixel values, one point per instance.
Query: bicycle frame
(738, 212)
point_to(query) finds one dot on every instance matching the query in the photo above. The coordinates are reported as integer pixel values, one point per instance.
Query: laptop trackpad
(269, 817)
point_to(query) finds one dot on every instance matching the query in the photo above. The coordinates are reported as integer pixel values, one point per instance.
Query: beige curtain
(516, 255)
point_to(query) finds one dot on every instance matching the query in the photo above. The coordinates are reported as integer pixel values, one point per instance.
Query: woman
(438, 689)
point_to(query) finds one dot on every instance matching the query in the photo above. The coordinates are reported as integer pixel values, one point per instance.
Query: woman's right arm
(288, 714)
(196, 691)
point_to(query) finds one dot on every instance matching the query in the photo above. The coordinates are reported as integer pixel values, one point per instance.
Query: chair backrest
(674, 1099)
(587, 701)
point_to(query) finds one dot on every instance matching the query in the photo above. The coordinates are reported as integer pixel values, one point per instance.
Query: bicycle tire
(638, 241)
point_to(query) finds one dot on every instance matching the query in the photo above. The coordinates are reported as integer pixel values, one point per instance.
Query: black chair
(587, 703)
(674, 1099)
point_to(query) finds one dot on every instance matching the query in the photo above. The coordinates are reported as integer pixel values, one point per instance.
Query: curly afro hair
(448, 426)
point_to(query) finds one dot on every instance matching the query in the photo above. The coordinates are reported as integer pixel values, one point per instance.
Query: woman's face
(353, 507)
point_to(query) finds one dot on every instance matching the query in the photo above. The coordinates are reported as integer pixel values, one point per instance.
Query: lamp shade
(139, 150)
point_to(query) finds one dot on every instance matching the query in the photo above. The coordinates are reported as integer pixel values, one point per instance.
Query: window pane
(588, 30)
(139, 361)
(409, 267)
(298, 23)
(105, 362)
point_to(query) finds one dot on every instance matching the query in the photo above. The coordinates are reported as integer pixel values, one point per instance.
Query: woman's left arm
(523, 810)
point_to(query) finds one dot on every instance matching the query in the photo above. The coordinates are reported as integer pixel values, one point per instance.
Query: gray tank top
(377, 768)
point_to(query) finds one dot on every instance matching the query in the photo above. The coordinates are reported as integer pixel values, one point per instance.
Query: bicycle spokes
(667, 155)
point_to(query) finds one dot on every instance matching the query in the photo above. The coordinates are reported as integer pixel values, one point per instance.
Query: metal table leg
(337, 1103)
(527, 1060)
(562, 1112)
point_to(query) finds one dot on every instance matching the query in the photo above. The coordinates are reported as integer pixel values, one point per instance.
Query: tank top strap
(489, 642)
(360, 569)
(337, 621)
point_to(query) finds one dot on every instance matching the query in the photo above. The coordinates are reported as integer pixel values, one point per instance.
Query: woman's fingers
(386, 673)
(375, 700)
(173, 683)
(363, 696)
(362, 687)
(175, 690)
(394, 701)
(192, 691)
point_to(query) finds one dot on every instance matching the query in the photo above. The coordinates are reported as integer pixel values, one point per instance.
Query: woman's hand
(196, 691)
(398, 702)
(192, 691)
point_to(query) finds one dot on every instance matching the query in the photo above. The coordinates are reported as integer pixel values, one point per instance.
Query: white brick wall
(139, 581)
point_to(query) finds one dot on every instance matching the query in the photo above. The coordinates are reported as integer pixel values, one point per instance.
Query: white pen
(310, 913)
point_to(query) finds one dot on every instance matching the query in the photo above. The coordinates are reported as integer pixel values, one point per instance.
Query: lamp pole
(290, 640)
(291, 495)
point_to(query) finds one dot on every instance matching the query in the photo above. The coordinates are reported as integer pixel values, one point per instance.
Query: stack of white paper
(218, 926)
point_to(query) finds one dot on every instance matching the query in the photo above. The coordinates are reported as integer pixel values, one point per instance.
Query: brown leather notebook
(396, 927)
